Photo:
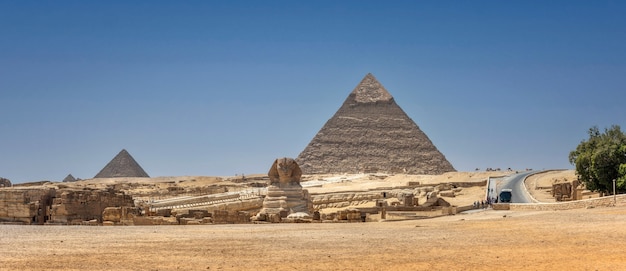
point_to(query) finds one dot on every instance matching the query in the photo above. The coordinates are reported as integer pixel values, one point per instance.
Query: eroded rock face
(72, 206)
(285, 194)
(27, 206)
(117, 215)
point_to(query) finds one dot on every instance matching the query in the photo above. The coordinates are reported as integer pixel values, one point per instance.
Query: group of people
(485, 203)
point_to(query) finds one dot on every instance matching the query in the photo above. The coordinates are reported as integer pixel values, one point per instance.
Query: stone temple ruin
(565, 190)
(371, 133)
(54, 205)
(48, 203)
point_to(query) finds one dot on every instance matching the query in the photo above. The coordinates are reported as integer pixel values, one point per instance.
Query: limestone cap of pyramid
(369, 90)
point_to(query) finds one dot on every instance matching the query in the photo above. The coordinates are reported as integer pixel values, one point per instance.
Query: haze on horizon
(220, 88)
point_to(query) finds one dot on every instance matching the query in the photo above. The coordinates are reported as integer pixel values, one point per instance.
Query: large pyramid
(371, 133)
(122, 165)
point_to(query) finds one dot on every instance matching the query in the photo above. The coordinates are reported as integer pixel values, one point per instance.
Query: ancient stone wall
(242, 204)
(120, 215)
(75, 206)
(350, 216)
(578, 204)
(226, 217)
(28, 206)
(252, 205)
(156, 190)
(154, 220)
(565, 191)
(176, 203)
(341, 200)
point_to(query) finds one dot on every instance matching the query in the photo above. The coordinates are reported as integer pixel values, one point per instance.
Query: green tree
(600, 159)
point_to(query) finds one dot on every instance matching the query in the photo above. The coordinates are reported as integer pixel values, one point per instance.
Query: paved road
(515, 182)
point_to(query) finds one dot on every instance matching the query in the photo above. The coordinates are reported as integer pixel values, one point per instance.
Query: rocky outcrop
(371, 133)
(5, 183)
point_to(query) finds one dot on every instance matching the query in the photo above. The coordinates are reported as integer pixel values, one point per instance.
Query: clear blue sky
(224, 87)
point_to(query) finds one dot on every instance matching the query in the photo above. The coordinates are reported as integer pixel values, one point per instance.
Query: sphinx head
(285, 170)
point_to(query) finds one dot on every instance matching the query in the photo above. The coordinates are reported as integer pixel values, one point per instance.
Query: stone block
(113, 214)
(446, 193)
(501, 206)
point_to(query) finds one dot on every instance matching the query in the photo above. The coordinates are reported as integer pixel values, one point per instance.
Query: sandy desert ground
(582, 239)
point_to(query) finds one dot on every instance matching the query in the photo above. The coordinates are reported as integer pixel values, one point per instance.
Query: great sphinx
(285, 197)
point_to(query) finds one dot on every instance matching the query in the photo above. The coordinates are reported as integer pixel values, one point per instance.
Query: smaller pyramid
(122, 165)
(69, 179)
